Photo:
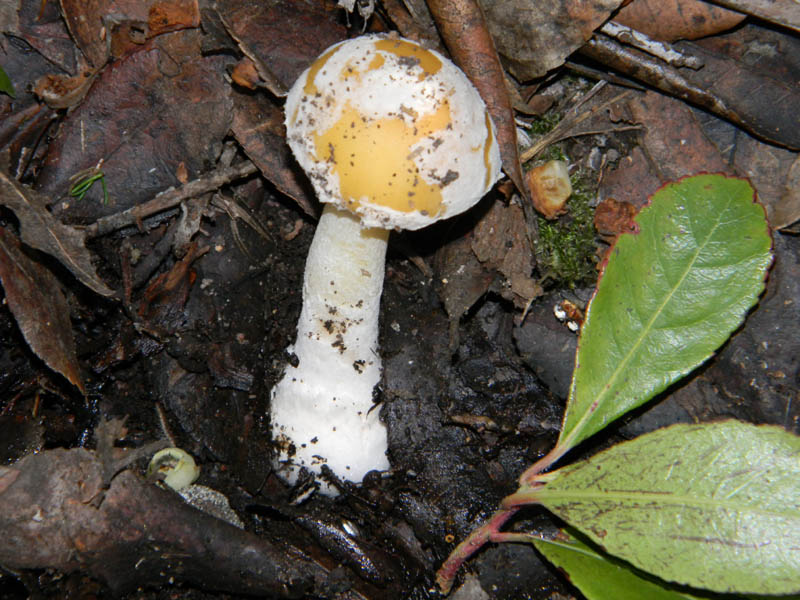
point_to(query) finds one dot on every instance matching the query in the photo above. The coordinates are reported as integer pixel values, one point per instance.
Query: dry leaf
(788, 210)
(258, 127)
(536, 37)
(35, 299)
(501, 244)
(670, 20)
(41, 230)
(143, 121)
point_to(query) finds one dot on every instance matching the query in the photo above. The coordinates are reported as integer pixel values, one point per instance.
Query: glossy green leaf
(6, 86)
(669, 296)
(714, 506)
(602, 577)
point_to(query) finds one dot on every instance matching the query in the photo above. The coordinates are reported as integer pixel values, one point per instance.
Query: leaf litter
(158, 112)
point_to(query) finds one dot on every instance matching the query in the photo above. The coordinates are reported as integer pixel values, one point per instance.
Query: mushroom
(391, 135)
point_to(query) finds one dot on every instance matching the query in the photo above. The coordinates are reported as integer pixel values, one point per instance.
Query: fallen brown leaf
(258, 127)
(670, 20)
(754, 100)
(41, 26)
(103, 28)
(537, 37)
(612, 218)
(40, 309)
(281, 38)
(788, 210)
(501, 244)
(144, 116)
(41, 230)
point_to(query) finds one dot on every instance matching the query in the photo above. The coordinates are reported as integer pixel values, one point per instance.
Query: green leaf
(713, 506)
(670, 295)
(602, 577)
(6, 86)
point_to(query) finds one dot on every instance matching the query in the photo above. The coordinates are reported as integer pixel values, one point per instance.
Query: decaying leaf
(41, 230)
(87, 29)
(787, 211)
(670, 20)
(35, 299)
(276, 36)
(724, 86)
(102, 28)
(612, 218)
(145, 116)
(501, 244)
(537, 37)
(258, 127)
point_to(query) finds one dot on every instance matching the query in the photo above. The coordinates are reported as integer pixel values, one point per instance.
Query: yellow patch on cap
(374, 159)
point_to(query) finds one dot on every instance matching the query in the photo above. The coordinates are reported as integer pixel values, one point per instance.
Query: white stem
(322, 408)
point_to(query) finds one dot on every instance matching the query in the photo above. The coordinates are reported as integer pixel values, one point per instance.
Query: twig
(758, 103)
(565, 128)
(170, 198)
(661, 50)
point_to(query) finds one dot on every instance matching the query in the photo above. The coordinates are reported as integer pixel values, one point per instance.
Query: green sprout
(84, 180)
(6, 87)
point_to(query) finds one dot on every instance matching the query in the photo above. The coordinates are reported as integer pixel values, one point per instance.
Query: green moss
(566, 248)
(552, 152)
(545, 123)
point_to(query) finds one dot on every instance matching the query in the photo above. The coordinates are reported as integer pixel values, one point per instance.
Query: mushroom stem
(322, 408)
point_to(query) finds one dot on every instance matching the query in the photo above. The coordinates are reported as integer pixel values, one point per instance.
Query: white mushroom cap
(393, 132)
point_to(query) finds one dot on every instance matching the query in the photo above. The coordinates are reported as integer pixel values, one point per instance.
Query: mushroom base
(322, 409)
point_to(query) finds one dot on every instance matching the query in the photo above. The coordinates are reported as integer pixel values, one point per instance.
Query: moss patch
(566, 248)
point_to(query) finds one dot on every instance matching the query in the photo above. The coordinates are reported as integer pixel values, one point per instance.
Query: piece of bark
(55, 514)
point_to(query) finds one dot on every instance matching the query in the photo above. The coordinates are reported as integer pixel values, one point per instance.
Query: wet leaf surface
(35, 298)
(656, 314)
(601, 577)
(42, 231)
